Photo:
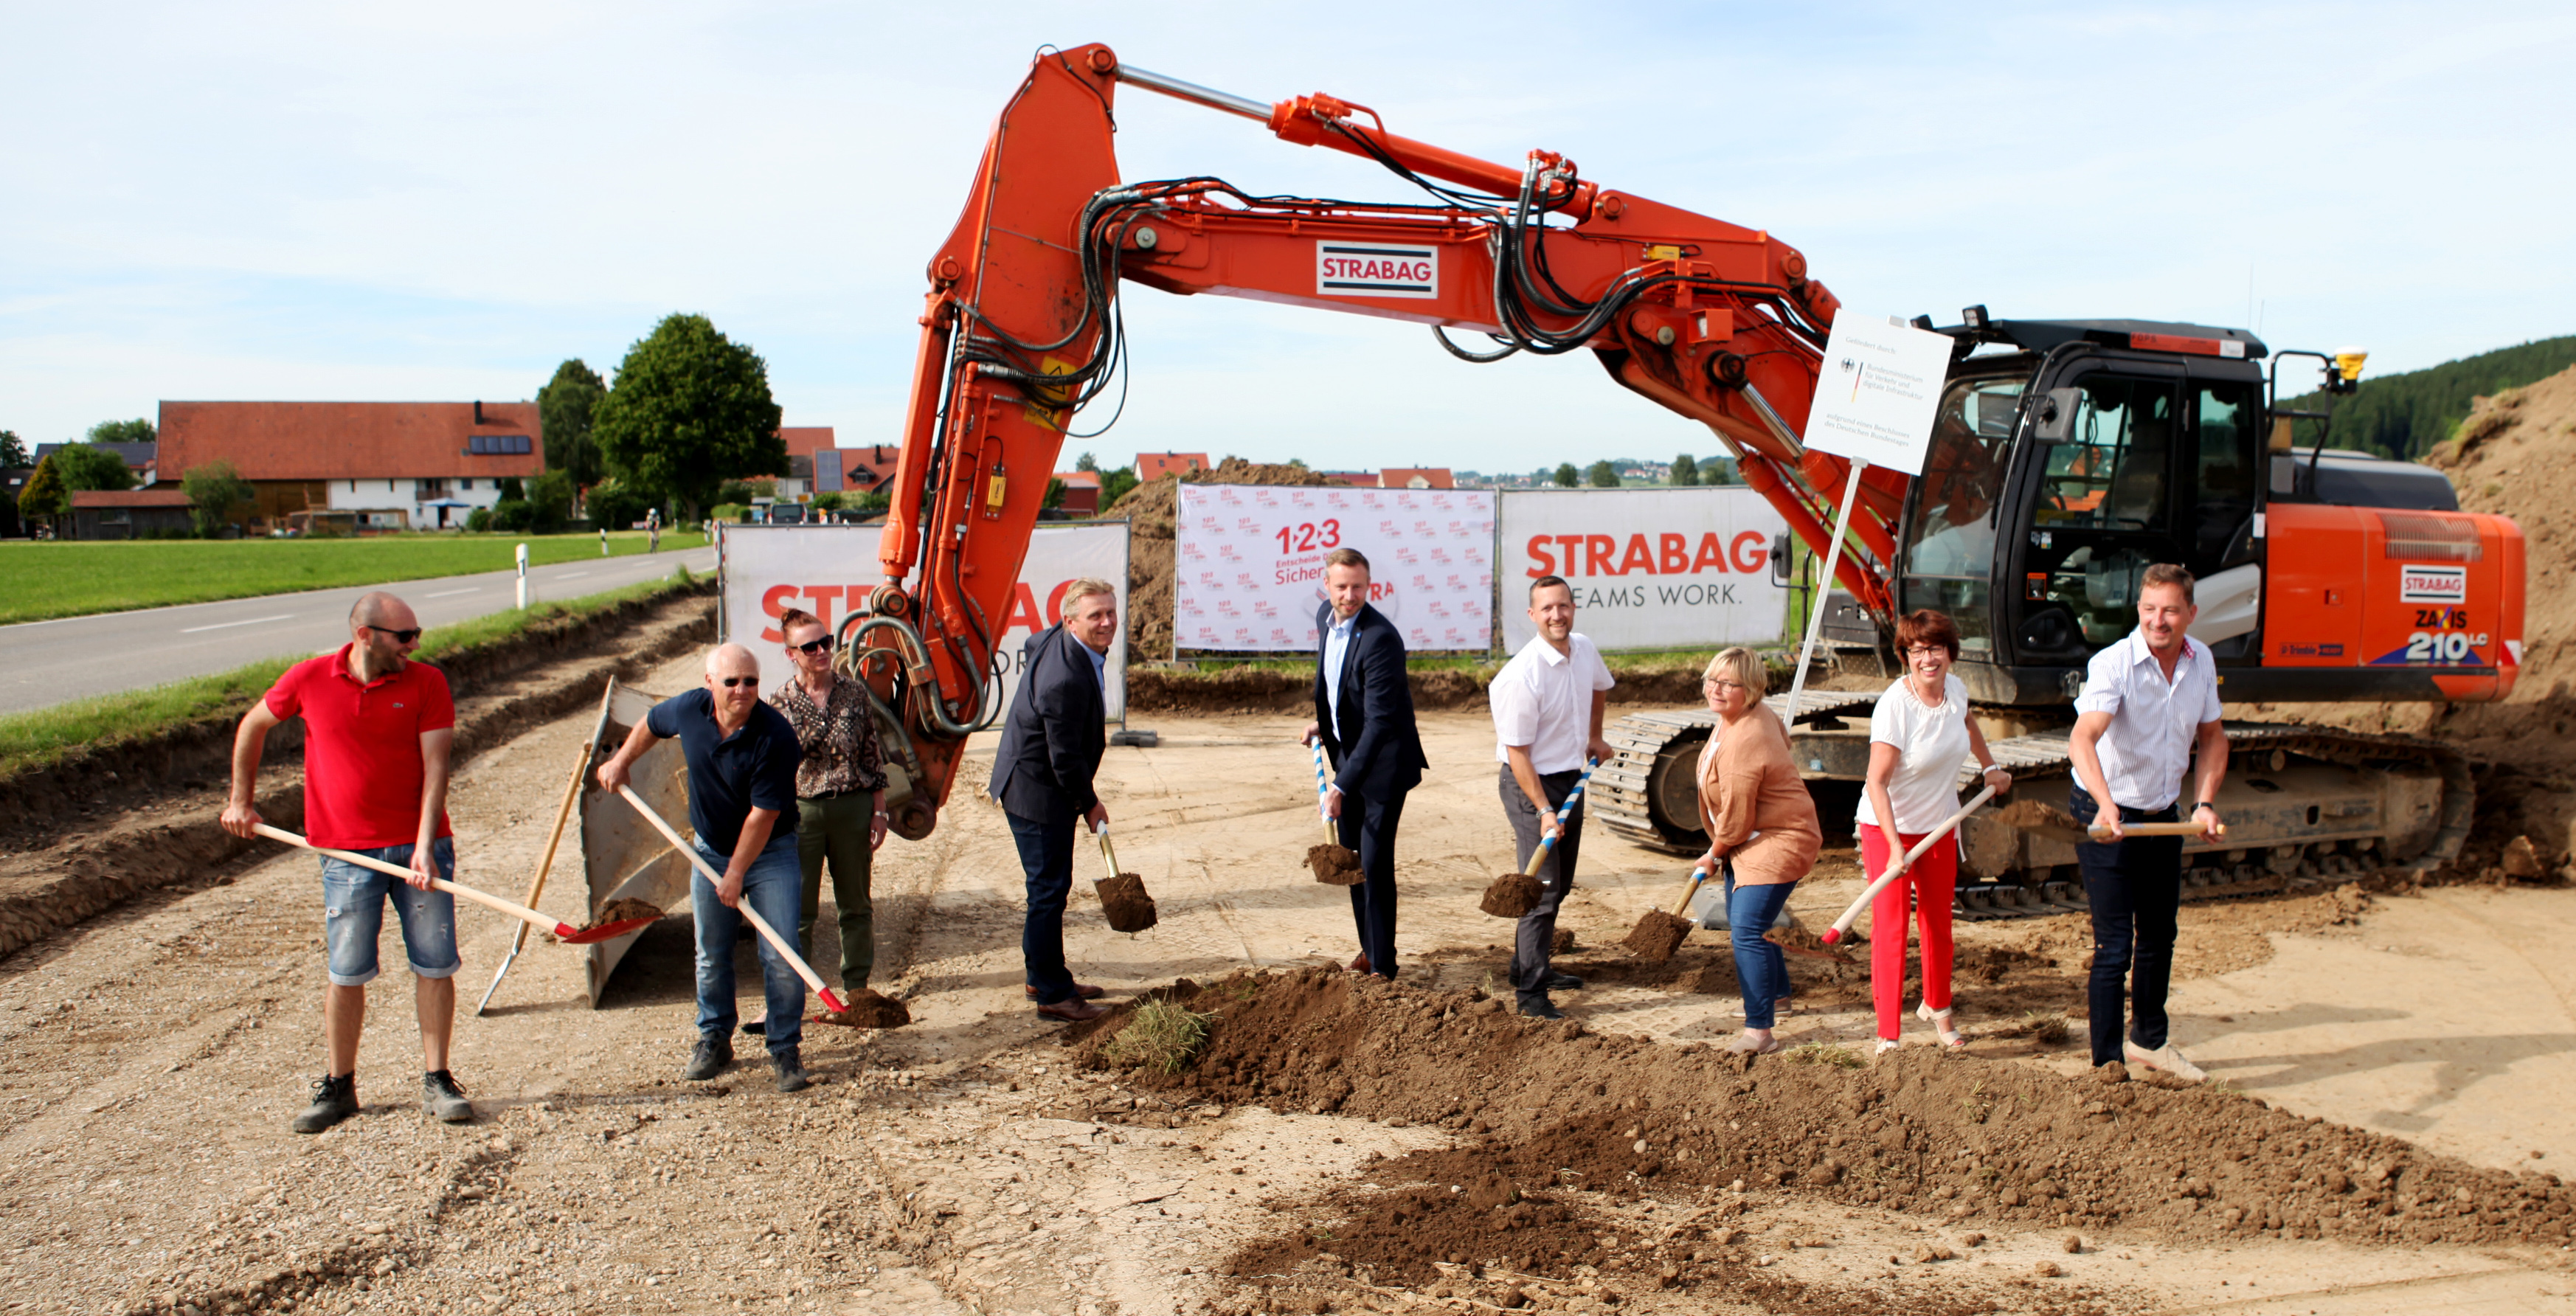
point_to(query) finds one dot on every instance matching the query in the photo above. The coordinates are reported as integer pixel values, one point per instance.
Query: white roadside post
(1875, 401)
(603, 541)
(523, 577)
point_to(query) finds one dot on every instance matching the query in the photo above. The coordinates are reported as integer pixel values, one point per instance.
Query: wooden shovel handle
(484, 898)
(758, 924)
(1548, 843)
(1107, 855)
(1697, 877)
(2153, 829)
(1903, 862)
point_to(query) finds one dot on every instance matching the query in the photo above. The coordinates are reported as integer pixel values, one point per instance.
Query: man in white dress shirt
(2149, 707)
(1547, 705)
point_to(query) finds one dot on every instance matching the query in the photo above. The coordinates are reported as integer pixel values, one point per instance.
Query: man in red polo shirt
(377, 729)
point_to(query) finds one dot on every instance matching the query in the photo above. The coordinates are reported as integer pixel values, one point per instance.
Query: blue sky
(272, 200)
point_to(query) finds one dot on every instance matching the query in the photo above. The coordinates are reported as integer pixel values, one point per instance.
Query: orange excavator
(2066, 458)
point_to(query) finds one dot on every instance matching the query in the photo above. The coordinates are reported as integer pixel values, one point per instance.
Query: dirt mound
(1511, 895)
(1150, 509)
(2504, 459)
(1553, 1108)
(869, 1008)
(1659, 932)
(620, 910)
(1123, 899)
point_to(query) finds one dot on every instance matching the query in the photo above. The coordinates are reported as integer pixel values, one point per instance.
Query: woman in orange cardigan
(1761, 826)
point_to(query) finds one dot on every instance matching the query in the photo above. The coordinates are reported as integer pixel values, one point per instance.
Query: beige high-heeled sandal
(1940, 1021)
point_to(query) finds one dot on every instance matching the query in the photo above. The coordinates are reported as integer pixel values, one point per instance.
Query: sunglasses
(729, 682)
(400, 637)
(811, 647)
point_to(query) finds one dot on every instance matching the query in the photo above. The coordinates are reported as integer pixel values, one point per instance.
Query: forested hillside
(2404, 415)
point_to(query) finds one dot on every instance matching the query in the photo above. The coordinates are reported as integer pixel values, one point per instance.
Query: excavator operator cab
(2064, 466)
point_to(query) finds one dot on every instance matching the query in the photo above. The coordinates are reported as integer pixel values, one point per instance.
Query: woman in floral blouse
(840, 789)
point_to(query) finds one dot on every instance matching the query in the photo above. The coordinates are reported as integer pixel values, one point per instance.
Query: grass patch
(1830, 1054)
(59, 578)
(35, 739)
(1164, 1037)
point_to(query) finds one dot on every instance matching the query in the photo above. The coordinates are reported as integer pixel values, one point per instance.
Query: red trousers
(1930, 881)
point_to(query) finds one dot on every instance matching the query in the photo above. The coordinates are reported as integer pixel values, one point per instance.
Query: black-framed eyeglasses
(729, 682)
(400, 637)
(812, 647)
(1715, 684)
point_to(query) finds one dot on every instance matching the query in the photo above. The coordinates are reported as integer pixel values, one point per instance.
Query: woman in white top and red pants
(1919, 735)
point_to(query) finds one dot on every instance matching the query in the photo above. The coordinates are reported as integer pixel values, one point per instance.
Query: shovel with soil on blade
(1660, 933)
(831, 1001)
(1515, 894)
(2049, 820)
(600, 929)
(1334, 863)
(1122, 895)
(1905, 861)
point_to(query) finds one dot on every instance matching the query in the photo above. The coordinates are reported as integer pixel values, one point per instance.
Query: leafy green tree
(1054, 495)
(565, 407)
(45, 497)
(616, 506)
(87, 466)
(1086, 462)
(511, 488)
(137, 430)
(1603, 475)
(1685, 472)
(734, 491)
(1114, 486)
(2404, 415)
(214, 489)
(550, 496)
(13, 450)
(690, 409)
(1566, 476)
(826, 502)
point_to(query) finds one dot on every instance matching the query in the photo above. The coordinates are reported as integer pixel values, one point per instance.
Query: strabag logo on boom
(2430, 584)
(1376, 269)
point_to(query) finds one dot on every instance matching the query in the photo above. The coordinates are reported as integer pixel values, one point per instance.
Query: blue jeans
(1046, 859)
(1759, 966)
(353, 915)
(775, 889)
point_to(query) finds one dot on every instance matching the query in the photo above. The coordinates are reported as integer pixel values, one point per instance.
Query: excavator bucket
(622, 856)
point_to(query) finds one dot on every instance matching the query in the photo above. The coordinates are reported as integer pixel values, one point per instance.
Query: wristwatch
(2204, 804)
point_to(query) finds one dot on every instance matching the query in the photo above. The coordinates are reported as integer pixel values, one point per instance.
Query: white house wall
(399, 495)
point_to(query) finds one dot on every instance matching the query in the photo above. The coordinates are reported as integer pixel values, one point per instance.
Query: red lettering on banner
(1711, 553)
(1573, 546)
(1758, 558)
(822, 597)
(1023, 611)
(1676, 555)
(773, 601)
(1055, 602)
(1596, 555)
(1638, 556)
(1545, 561)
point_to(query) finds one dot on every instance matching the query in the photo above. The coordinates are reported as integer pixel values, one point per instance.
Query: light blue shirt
(1099, 664)
(1337, 646)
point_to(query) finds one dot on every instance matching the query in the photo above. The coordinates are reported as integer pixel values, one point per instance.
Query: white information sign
(1650, 568)
(1879, 389)
(829, 569)
(1250, 571)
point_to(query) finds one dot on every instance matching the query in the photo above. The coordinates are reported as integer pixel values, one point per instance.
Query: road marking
(451, 593)
(571, 575)
(227, 625)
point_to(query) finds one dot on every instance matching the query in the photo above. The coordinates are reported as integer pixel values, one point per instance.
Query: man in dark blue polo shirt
(741, 755)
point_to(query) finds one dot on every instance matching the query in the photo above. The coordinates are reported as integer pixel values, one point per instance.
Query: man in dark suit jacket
(1364, 713)
(1051, 746)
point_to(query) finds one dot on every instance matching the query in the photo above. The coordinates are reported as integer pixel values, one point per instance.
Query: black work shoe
(1535, 1005)
(440, 1097)
(757, 1028)
(334, 1099)
(713, 1054)
(1561, 982)
(791, 1070)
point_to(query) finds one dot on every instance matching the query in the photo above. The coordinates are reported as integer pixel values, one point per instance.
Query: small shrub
(1164, 1037)
(479, 520)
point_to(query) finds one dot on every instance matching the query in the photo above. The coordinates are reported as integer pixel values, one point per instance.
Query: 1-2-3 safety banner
(1250, 568)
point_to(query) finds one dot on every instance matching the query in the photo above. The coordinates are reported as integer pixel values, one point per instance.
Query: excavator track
(2305, 805)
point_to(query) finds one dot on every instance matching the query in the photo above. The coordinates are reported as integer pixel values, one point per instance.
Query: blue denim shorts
(353, 914)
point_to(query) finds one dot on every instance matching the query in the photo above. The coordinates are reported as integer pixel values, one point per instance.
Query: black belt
(834, 795)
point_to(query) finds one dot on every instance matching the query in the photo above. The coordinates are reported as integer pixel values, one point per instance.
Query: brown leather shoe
(1074, 1011)
(1359, 963)
(1082, 991)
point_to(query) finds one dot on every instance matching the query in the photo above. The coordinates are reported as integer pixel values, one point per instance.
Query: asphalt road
(49, 662)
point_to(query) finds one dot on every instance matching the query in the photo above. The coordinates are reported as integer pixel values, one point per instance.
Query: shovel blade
(604, 932)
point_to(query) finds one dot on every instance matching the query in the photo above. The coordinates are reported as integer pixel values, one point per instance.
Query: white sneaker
(1886, 1045)
(2164, 1058)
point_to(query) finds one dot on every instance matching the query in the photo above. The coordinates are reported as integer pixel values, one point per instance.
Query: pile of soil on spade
(1659, 932)
(621, 910)
(1550, 1108)
(1123, 900)
(1511, 895)
(869, 1008)
(1334, 865)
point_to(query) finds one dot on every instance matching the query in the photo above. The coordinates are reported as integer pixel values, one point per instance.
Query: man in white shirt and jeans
(2149, 706)
(1547, 703)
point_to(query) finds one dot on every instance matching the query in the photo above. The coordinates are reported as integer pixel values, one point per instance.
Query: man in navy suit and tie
(1051, 746)
(1364, 713)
